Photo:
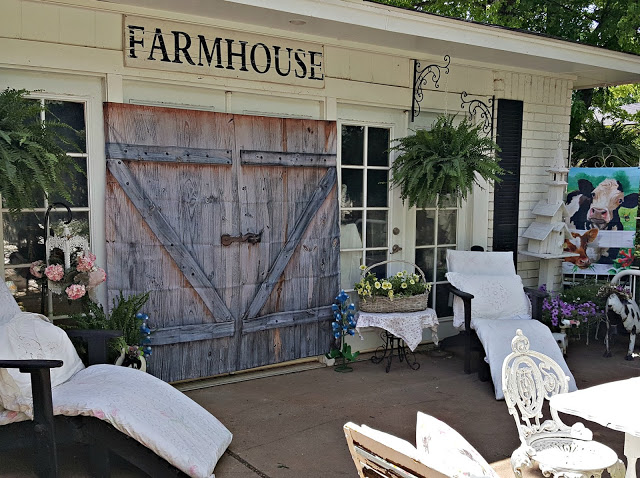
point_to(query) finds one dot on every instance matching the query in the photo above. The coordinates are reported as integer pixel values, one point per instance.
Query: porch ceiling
(418, 34)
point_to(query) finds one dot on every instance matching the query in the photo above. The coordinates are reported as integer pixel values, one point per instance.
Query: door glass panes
(24, 233)
(436, 231)
(364, 200)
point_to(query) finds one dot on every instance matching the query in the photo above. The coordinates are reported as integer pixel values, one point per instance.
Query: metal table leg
(392, 342)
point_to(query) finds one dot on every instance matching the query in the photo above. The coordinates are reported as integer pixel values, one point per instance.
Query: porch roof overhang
(418, 34)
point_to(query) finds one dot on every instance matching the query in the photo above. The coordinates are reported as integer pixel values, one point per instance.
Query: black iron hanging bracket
(479, 110)
(421, 76)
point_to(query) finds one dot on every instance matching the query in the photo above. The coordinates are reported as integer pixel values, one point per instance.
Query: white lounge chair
(111, 408)
(491, 302)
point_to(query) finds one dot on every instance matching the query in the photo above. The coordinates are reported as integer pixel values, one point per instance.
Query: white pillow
(442, 448)
(32, 336)
(494, 297)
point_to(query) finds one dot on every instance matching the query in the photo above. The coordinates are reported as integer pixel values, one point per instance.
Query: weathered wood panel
(282, 158)
(167, 154)
(293, 270)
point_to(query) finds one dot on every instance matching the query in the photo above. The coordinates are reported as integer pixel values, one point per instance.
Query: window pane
(350, 268)
(442, 300)
(442, 264)
(425, 228)
(377, 188)
(352, 145)
(424, 260)
(377, 229)
(373, 257)
(378, 147)
(447, 226)
(351, 230)
(78, 182)
(23, 238)
(25, 288)
(352, 184)
(71, 114)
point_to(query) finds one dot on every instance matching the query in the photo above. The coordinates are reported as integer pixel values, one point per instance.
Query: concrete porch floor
(290, 425)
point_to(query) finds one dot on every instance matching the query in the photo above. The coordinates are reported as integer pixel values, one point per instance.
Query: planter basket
(382, 304)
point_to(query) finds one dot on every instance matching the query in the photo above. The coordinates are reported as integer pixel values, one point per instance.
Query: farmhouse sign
(185, 48)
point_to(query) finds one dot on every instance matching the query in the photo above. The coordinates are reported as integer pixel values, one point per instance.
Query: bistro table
(399, 329)
(612, 405)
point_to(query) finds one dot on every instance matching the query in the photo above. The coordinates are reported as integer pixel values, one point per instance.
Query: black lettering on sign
(132, 39)
(209, 53)
(300, 61)
(267, 57)
(231, 54)
(314, 65)
(276, 54)
(158, 44)
(184, 49)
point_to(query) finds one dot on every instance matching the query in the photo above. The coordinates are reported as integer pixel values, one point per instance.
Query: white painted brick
(543, 118)
(534, 143)
(536, 108)
(556, 110)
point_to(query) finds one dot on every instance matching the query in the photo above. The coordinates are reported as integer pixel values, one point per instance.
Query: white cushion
(494, 297)
(392, 441)
(442, 448)
(32, 336)
(480, 263)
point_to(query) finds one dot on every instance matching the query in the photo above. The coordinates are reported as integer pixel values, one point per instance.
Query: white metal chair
(528, 378)
(441, 452)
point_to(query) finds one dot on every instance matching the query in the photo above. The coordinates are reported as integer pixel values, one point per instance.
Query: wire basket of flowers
(401, 292)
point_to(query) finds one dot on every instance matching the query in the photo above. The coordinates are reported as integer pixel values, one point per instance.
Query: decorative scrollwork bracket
(476, 108)
(421, 76)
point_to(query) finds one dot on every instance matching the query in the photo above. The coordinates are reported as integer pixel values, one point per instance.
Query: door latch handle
(395, 248)
(250, 237)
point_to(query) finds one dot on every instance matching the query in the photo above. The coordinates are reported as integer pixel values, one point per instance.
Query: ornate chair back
(528, 378)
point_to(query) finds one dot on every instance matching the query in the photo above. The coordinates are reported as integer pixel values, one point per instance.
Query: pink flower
(54, 272)
(86, 262)
(96, 278)
(36, 269)
(75, 291)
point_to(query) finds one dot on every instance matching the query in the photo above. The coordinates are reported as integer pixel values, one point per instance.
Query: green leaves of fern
(441, 163)
(32, 159)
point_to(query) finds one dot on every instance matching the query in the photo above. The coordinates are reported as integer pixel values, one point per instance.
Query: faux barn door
(231, 222)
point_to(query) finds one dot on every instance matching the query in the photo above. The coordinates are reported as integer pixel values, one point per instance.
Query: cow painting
(603, 200)
(598, 207)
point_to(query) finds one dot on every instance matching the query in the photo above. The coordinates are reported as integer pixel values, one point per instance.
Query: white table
(397, 326)
(613, 405)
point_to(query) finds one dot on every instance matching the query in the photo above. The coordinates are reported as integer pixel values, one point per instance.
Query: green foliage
(600, 145)
(122, 317)
(442, 162)
(32, 159)
(345, 352)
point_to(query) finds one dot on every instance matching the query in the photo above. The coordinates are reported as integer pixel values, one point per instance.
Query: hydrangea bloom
(75, 291)
(54, 272)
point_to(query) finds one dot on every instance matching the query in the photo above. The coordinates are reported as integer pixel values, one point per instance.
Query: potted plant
(33, 159)
(442, 162)
(343, 324)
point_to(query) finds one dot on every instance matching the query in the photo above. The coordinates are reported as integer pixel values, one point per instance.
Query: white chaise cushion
(494, 297)
(31, 336)
(442, 448)
(150, 411)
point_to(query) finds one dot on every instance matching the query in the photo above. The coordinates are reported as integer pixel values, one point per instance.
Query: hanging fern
(441, 163)
(32, 159)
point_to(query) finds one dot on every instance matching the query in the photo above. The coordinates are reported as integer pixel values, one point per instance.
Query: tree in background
(612, 24)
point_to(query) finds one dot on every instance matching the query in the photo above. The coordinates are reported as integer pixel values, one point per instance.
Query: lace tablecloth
(406, 325)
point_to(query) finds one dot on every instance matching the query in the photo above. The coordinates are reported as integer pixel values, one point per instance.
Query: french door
(375, 226)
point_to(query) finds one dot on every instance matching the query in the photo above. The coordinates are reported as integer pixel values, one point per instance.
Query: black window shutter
(507, 193)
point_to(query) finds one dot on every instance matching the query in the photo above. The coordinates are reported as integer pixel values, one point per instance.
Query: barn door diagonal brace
(169, 239)
(284, 256)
